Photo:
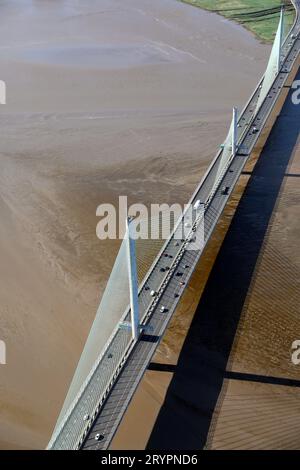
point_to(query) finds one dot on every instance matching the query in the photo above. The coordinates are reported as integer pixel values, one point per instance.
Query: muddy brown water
(103, 98)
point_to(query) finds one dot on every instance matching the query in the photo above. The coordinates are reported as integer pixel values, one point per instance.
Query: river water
(103, 98)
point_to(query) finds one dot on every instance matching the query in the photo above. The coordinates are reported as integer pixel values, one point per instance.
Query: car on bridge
(225, 190)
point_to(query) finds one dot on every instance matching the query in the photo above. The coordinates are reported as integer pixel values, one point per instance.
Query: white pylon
(274, 63)
(234, 131)
(133, 282)
(280, 40)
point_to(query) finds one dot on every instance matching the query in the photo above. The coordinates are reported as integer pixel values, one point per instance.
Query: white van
(197, 205)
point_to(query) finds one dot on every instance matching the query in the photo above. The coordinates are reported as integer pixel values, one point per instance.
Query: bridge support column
(234, 131)
(281, 37)
(133, 283)
(274, 63)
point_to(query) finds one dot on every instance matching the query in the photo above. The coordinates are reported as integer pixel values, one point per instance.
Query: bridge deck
(170, 289)
(121, 394)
